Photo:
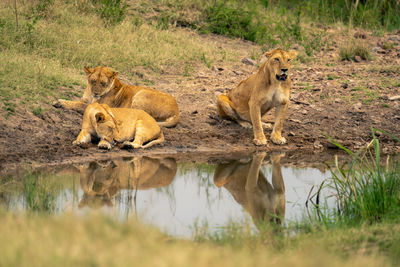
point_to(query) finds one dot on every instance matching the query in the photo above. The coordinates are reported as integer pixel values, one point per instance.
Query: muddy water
(178, 198)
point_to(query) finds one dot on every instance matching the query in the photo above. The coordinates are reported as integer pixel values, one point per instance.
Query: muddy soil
(325, 99)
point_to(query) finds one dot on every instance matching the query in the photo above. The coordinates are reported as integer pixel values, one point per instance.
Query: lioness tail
(170, 122)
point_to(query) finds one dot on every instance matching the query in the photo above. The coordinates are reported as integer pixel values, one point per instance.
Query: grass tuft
(354, 48)
(365, 190)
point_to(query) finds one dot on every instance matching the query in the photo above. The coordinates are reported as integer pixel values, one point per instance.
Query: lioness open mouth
(281, 77)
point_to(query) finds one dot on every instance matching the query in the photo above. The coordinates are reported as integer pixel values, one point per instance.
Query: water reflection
(178, 198)
(251, 189)
(101, 181)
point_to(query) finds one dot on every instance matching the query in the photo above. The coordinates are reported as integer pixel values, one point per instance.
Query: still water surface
(178, 198)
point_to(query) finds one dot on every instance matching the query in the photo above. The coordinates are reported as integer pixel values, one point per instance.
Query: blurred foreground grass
(100, 241)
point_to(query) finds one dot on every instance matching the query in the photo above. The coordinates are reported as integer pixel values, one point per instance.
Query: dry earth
(339, 98)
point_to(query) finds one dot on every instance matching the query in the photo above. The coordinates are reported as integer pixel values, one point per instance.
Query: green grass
(370, 14)
(39, 64)
(354, 48)
(366, 191)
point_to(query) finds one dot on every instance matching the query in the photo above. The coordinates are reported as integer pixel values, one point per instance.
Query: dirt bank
(339, 98)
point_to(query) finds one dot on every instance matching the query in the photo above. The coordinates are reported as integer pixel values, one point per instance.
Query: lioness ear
(292, 54)
(114, 74)
(88, 70)
(100, 117)
(267, 54)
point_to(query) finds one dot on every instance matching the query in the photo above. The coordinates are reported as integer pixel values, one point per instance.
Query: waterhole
(179, 198)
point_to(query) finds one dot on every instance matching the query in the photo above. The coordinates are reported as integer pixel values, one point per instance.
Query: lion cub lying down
(262, 91)
(104, 87)
(119, 125)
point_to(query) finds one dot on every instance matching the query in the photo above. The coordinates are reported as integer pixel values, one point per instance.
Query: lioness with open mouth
(104, 87)
(120, 125)
(253, 97)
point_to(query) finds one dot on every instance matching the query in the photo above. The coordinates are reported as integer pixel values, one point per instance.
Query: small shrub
(226, 19)
(37, 111)
(355, 48)
(112, 11)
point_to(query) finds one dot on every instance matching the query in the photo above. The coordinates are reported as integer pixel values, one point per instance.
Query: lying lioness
(119, 125)
(104, 87)
(253, 97)
(102, 180)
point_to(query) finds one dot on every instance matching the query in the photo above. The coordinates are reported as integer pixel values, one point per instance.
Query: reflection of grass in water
(203, 174)
(40, 192)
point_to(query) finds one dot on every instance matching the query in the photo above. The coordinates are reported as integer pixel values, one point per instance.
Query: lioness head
(278, 62)
(100, 80)
(105, 122)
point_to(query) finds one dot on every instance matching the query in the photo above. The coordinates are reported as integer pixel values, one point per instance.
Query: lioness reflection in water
(100, 181)
(250, 188)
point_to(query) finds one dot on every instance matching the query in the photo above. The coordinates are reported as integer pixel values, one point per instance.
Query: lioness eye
(276, 59)
(92, 81)
(288, 60)
(103, 84)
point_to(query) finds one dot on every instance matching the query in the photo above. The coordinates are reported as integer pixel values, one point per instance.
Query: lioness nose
(284, 70)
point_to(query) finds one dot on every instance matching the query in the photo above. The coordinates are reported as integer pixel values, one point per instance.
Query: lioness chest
(275, 96)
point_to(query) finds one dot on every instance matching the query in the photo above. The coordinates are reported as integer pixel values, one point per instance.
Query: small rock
(213, 68)
(345, 86)
(376, 49)
(237, 72)
(317, 145)
(357, 59)
(195, 112)
(211, 106)
(332, 146)
(291, 134)
(338, 100)
(396, 97)
(296, 121)
(357, 106)
(221, 90)
(202, 76)
(204, 89)
(304, 112)
(394, 38)
(248, 61)
(360, 35)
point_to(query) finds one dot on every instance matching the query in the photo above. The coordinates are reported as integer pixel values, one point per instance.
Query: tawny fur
(251, 189)
(104, 87)
(120, 125)
(262, 91)
(101, 181)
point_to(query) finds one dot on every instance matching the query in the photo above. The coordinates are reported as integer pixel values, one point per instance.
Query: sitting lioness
(253, 97)
(119, 125)
(251, 189)
(104, 87)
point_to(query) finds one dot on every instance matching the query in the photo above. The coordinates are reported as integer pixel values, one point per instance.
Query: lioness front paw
(77, 142)
(260, 141)
(277, 139)
(104, 145)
